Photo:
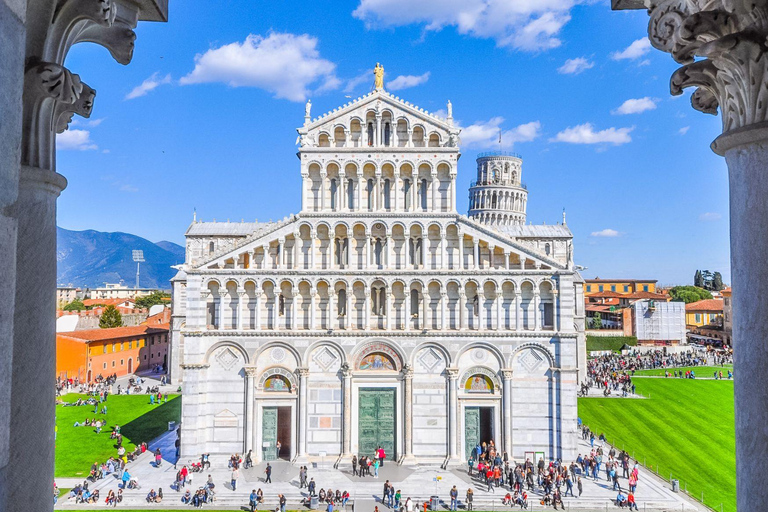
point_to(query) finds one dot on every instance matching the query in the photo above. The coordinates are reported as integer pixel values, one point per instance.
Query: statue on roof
(378, 73)
(450, 110)
(307, 108)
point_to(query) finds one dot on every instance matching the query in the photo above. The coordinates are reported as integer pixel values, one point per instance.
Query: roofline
(601, 280)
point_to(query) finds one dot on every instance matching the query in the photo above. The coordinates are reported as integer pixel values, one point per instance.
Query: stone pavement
(416, 481)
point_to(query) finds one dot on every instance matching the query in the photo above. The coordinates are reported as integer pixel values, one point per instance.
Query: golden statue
(378, 73)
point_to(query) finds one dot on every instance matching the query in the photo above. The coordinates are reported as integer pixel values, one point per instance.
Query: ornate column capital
(345, 370)
(301, 372)
(506, 373)
(407, 372)
(452, 373)
(250, 371)
(722, 46)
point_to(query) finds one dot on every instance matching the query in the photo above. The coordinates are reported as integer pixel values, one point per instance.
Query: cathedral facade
(378, 315)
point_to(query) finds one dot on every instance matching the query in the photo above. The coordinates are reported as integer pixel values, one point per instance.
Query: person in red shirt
(631, 501)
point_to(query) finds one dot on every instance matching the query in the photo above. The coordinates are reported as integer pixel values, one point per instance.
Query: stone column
(453, 191)
(306, 190)
(379, 203)
(367, 310)
(395, 191)
(407, 308)
(476, 252)
(342, 189)
(443, 317)
(481, 315)
(265, 261)
(497, 300)
(360, 182)
(452, 378)
(294, 307)
(219, 323)
(506, 404)
(281, 252)
(313, 308)
(323, 178)
(424, 308)
(410, 137)
(312, 248)
(276, 310)
(462, 309)
(506, 260)
(250, 375)
(721, 46)
(331, 308)
(434, 182)
(390, 243)
(302, 373)
(443, 250)
(296, 250)
(240, 296)
(491, 254)
(346, 419)
(366, 250)
(257, 307)
(407, 375)
(536, 314)
(378, 136)
(388, 303)
(424, 249)
(518, 308)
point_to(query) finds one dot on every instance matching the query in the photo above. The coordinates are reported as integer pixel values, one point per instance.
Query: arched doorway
(130, 366)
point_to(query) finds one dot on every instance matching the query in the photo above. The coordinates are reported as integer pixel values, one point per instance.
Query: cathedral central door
(376, 421)
(478, 428)
(269, 433)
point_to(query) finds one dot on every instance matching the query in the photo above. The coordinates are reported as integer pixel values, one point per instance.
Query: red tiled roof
(114, 333)
(705, 305)
(646, 295)
(606, 294)
(106, 302)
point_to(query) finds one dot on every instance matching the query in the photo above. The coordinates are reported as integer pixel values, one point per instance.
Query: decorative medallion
(479, 384)
(324, 358)
(430, 359)
(226, 358)
(377, 361)
(531, 360)
(479, 355)
(277, 354)
(277, 383)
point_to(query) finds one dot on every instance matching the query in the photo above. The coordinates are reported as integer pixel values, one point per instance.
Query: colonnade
(377, 132)
(498, 200)
(381, 305)
(503, 219)
(342, 191)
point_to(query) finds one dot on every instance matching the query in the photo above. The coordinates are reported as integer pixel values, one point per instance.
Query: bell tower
(498, 197)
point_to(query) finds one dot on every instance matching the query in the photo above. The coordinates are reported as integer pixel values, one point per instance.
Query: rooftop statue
(378, 73)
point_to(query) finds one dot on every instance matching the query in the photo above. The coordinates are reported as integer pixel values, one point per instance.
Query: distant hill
(91, 258)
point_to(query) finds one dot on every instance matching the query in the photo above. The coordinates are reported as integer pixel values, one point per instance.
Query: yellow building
(597, 285)
(704, 313)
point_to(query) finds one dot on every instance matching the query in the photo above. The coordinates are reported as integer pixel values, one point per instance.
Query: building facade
(378, 315)
(623, 286)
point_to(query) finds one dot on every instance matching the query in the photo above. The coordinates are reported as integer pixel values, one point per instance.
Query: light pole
(138, 257)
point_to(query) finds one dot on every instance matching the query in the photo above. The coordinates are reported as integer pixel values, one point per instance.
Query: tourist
(621, 500)
(382, 455)
(234, 477)
(277, 449)
(631, 501)
(354, 465)
(248, 460)
(376, 468)
(158, 458)
(187, 498)
(159, 497)
(579, 487)
(151, 496)
(470, 498)
(398, 497)
(282, 501)
(268, 472)
(454, 499)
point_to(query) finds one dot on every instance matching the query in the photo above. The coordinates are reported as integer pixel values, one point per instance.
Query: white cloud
(91, 123)
(485, 134)
(150, 84)
(606, 233)
(287, 65)
(406, 81)
(359, 80)
(531, 25)
(128, 188)
(636, 106)
(586, 134)
(633, 51)
(683, 130)
(710, 216)
(575, 66)
(79, 140)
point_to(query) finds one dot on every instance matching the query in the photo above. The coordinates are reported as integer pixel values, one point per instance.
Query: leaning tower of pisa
(498, 197)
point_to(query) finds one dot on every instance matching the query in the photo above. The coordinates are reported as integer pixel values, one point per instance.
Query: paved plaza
(415, 481)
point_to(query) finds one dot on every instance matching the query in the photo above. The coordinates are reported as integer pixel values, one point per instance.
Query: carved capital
(407, 372)
(722, 46)
(452, 373)
(302, 372)
(506, 373)
(345, 370)
(250, 371)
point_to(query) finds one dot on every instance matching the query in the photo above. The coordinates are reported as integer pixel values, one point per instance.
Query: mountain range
(91, 258)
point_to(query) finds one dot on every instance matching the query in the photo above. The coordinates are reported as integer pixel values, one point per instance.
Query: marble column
(443, 318)
(435, 197)
(265, 260)
(346, 419)
(452, 378)
(367, 308)
(407, 309)
(302, 373)
(219, 320)
(462, 309)
(424, 249)
(407, 375)
(296, 251)
(323, 187)
(453, 192)
(312, 248)
(482, 317)
(331, 308)
(506, 405)
(443, 251)
(518, 308)
(294, 308)
(394, 191)
(388, 297)
(390, 243)
(424, 308)
(476, 253)
(250, 376)
(536, 313)
(342, 191)
(506, 260)
(281, 253)
(360, 181)
(313, 308)
(240, 299)
(498, 299)
(257, 308)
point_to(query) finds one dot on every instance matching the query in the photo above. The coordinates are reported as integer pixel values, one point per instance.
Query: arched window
(377, 250)
(415, 303)
(369, 190)
(387, 131)
(424, 194)
(351, 194)
(210, 247)
(334, 187)
(342, 305)
(370, 134)
(547, 249)
(281, 303)
(387, 192)
(407, 194)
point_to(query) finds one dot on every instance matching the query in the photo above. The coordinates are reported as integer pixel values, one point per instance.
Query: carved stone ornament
(728, 37)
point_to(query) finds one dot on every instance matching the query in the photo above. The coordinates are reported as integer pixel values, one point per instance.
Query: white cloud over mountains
(287, 65)
(530, 25)
(485, 134)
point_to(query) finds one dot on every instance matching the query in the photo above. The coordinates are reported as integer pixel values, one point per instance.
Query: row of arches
(380, 304)
(379, 130)
(489, 199)
(383, 187)
(379, 246)
(492, 173)
(502, 219)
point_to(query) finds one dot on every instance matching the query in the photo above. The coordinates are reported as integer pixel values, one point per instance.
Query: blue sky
(205, 117)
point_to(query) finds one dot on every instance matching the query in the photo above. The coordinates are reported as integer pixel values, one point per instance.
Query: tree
(152, 299)
(698, 279)
(688, 294)
(110, 317)
(717, 282)
(596, 322)
(75, 305)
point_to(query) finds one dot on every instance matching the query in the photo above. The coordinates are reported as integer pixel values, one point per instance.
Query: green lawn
(610, 342)
(701, 371)
(686, 429)
(79, 447)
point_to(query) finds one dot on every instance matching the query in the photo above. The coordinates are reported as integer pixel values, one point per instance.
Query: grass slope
(685, 429)
(79, 447)
(610, 342)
